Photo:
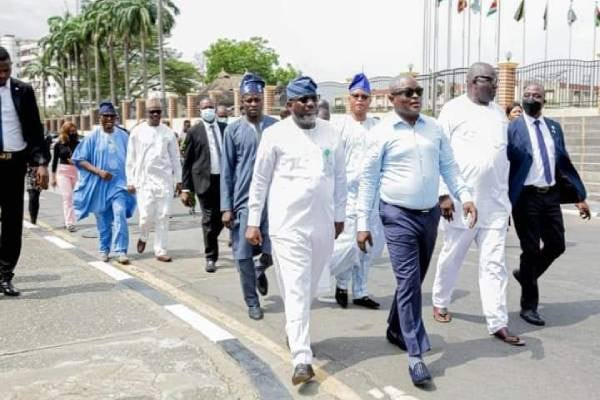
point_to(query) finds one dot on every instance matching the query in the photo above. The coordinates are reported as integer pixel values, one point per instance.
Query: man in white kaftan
(154, 172)
(348, 261)
(299, 172)
(477, 129)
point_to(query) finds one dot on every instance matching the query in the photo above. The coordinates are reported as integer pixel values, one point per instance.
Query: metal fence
(568, 83)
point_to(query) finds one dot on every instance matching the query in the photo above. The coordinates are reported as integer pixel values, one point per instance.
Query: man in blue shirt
(407, 153)
(240, 143)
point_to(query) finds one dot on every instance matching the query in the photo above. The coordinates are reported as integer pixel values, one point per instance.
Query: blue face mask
(208, 115)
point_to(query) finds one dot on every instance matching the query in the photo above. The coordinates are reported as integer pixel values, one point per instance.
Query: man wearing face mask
(541, 178)
(474, 121)
(201, 176)
(299, 172)
(222, 114)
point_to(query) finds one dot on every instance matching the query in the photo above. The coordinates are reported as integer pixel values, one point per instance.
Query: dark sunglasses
(410, 92)
(306, 99)
(155, 112)
(485, 79)
(359, 96)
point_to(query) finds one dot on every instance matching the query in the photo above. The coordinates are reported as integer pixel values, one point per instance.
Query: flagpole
(436, 17)
(425, 36)
(498, 32)
(464, 37)
(469, 36)
(479, 40)
(546, 33)
(449, 48)
(595, 32)
(524, 34)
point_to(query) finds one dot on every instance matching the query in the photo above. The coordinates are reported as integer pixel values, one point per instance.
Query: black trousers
(12, 177)
(212, 225)
(538, 219)
(34, 204)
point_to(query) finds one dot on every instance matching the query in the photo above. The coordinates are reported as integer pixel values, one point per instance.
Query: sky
(334, 39)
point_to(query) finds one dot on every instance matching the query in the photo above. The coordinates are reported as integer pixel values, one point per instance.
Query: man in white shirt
(348, 261)
(201, 176)
(477, 128)
(153, 172)
(21, 143)
(299, 172)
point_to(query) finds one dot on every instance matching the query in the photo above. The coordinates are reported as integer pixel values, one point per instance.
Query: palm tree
(53, 49)
(40, 70)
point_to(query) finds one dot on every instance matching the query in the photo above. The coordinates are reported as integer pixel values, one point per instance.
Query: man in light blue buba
(240, 143)
(102, 185)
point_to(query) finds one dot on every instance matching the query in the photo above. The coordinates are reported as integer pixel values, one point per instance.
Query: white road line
(29, 225)
(397, 394)
(63, 244)
(376, 393)
(111, 271)
(212, 331)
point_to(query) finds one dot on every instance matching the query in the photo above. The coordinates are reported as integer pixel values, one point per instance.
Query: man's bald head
(480, 69)
(481, 83)
(401, 82)
(535, 86)
(405, 95)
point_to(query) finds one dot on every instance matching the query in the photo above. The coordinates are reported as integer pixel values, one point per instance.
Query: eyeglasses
(154, 112)
(485, 79)
(409, 92)
(359, 96)
(306, 99)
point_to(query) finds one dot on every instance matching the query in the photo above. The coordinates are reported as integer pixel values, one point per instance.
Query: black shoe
(141, 246)
(341, 296)
(262, 284)
(211, 266)
(8, 289)
(532, 317)
(419, 374)
(255, 312)
(395, 339)
(366, 302)
(302, 373)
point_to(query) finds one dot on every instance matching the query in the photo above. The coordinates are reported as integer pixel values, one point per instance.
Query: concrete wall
(582, 137)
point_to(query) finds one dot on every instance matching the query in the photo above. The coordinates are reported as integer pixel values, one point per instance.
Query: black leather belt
(539, 189)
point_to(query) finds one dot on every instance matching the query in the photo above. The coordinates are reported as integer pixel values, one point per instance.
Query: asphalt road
(561, 360)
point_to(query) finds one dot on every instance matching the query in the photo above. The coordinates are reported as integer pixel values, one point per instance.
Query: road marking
(376, 393)
(209, 329)
(111, 271)
(29, 225)
(63, 244)
(397, 394)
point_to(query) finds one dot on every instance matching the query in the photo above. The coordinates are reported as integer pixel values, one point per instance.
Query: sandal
(441, 315)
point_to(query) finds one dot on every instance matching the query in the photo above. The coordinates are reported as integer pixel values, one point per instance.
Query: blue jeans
(112, 227)
(249, 270)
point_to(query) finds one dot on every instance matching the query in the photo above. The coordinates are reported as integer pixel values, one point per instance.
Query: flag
(462, 4)
(493, 8)
(571, 17)
(438, 2)
(520, 13)
(476, 6)
(597, 16)
(546, 17)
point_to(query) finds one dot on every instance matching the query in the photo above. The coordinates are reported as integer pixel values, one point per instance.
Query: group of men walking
(310, 196)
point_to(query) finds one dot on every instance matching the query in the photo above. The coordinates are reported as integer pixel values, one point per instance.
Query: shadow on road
(44, 293)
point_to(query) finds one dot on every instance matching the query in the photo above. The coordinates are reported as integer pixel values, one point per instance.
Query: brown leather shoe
(141, 246)
(507, 338)
(164, 258)
(441, 315)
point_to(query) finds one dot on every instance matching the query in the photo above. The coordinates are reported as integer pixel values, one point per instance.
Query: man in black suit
(541, 177)
(202, 174)
(21, 143)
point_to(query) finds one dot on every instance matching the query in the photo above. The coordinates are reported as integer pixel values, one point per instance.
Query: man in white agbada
(477, 129)
(299, 171)
(348, 261)
(154, 172)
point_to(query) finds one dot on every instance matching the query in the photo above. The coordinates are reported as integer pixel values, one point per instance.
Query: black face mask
(532, 107)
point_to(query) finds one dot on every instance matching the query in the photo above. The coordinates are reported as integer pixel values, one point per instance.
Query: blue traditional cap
(302, 86)
(251, 83)
(106, 107)
(360, 81)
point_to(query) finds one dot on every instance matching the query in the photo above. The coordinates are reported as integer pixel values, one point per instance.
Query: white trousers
(493, 277)
(154, 210)
(299, 262)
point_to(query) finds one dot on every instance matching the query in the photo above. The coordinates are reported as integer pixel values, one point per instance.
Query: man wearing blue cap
(102, 185)
(348, 261)
(299, 172)
(240, 143)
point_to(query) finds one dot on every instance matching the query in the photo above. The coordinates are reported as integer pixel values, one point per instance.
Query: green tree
(40, 70)
(237, 57)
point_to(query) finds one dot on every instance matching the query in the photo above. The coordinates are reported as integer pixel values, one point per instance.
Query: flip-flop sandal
(442, 316)
(512, 340)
